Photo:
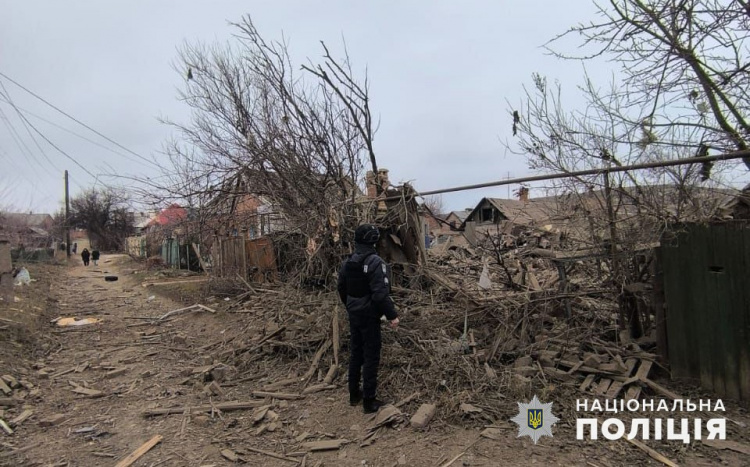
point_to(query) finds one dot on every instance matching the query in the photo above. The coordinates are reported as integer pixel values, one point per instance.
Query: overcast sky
(440, 72)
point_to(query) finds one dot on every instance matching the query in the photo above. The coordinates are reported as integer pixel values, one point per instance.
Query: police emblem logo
(535, 419)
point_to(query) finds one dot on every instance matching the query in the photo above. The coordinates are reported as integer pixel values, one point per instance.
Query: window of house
(485, 215)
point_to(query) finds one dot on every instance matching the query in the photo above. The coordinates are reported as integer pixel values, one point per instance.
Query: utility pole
(67, 215)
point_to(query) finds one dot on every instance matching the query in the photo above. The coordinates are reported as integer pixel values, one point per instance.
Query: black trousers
(365, 346)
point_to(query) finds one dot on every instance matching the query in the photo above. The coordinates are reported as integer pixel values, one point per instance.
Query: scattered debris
(423, 416)
(110, 278)
(326, 445)
(652, 453)
(135, 455)
(493, 434)
(77, 322)
(52, 420)
(224, 407)
(388, 416)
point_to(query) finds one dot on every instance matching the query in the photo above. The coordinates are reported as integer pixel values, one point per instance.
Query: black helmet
(366, 234)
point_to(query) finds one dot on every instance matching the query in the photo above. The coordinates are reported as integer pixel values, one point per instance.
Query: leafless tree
(259, 127)
(104, 214)
(435, 204)
(685, 67)
(681, 92)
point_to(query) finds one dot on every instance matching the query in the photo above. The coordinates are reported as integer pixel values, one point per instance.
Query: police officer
(364, 289)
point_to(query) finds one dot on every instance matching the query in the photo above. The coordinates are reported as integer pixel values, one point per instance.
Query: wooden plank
(271, 454)
(224, 407)
(630, 365)
(135, 455)
(586, 383)
(614, 390)
(633, 393)
(25, 415)
(278, 395)
(325, 445)
(731, 445)
(661, 389)
(652, 453)
(602, 387)
(644, 369)
(336, 335)
(93, 393)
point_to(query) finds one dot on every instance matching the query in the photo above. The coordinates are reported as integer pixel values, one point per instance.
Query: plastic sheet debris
(484, 279)
(77, 322)
(22, 277)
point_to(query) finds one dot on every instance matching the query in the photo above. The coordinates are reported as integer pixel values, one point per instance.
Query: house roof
(40, 232)
(533, 211)
(22, 218)
(461, 215)
(563, 209)
(173, 214)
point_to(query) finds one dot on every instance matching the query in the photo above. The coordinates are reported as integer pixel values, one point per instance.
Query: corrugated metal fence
(706, 271)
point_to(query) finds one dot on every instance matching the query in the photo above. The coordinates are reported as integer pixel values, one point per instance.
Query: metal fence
(707, 294)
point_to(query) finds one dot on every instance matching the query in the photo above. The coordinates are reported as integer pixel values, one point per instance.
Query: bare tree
(257, 127)
(683, 93)
(104, 214)
(435, 204)
(686, 71)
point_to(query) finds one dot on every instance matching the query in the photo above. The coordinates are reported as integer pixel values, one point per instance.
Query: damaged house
(28, 230)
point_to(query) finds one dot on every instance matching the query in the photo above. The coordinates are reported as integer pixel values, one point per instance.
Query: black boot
(372, 405)
(355, 398)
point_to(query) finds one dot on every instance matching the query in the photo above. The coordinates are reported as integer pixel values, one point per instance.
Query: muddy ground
(88, 387)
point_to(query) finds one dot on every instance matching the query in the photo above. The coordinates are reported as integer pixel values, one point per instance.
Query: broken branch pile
(459, 345)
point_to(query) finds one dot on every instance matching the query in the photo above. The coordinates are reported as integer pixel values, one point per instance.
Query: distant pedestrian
(85, 256)
(95, 256)
(75, 248)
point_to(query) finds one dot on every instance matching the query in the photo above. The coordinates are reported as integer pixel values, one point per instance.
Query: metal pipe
(623, 168)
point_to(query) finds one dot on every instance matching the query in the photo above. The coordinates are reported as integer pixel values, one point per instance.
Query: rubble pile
(460, 346)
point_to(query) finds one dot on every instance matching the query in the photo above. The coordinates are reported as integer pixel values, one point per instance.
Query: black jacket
(378, 302)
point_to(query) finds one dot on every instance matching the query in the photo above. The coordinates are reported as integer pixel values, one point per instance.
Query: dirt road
(89, 393)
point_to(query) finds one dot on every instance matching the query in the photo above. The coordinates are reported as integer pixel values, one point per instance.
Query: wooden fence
(253, 260)
(707, 295)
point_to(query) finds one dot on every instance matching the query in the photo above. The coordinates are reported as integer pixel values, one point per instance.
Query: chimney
(372, 190)
(383, 178)
(523, 194)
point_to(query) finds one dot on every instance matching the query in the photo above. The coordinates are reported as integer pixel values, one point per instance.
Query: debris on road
(63, 322)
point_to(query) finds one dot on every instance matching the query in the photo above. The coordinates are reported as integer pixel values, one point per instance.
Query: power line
(67, 130)
(20, 143)
(23, 120)
(61, 151)
(79, 122)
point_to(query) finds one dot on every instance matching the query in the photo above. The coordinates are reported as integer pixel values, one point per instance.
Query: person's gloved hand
(394, 323)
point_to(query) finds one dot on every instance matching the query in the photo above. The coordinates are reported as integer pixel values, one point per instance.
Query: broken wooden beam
(652, 453)
(25, 415)
(326, 445)
(224, 407)
(271, 454)
(278, 395)
(143, 449)
(318, 388)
